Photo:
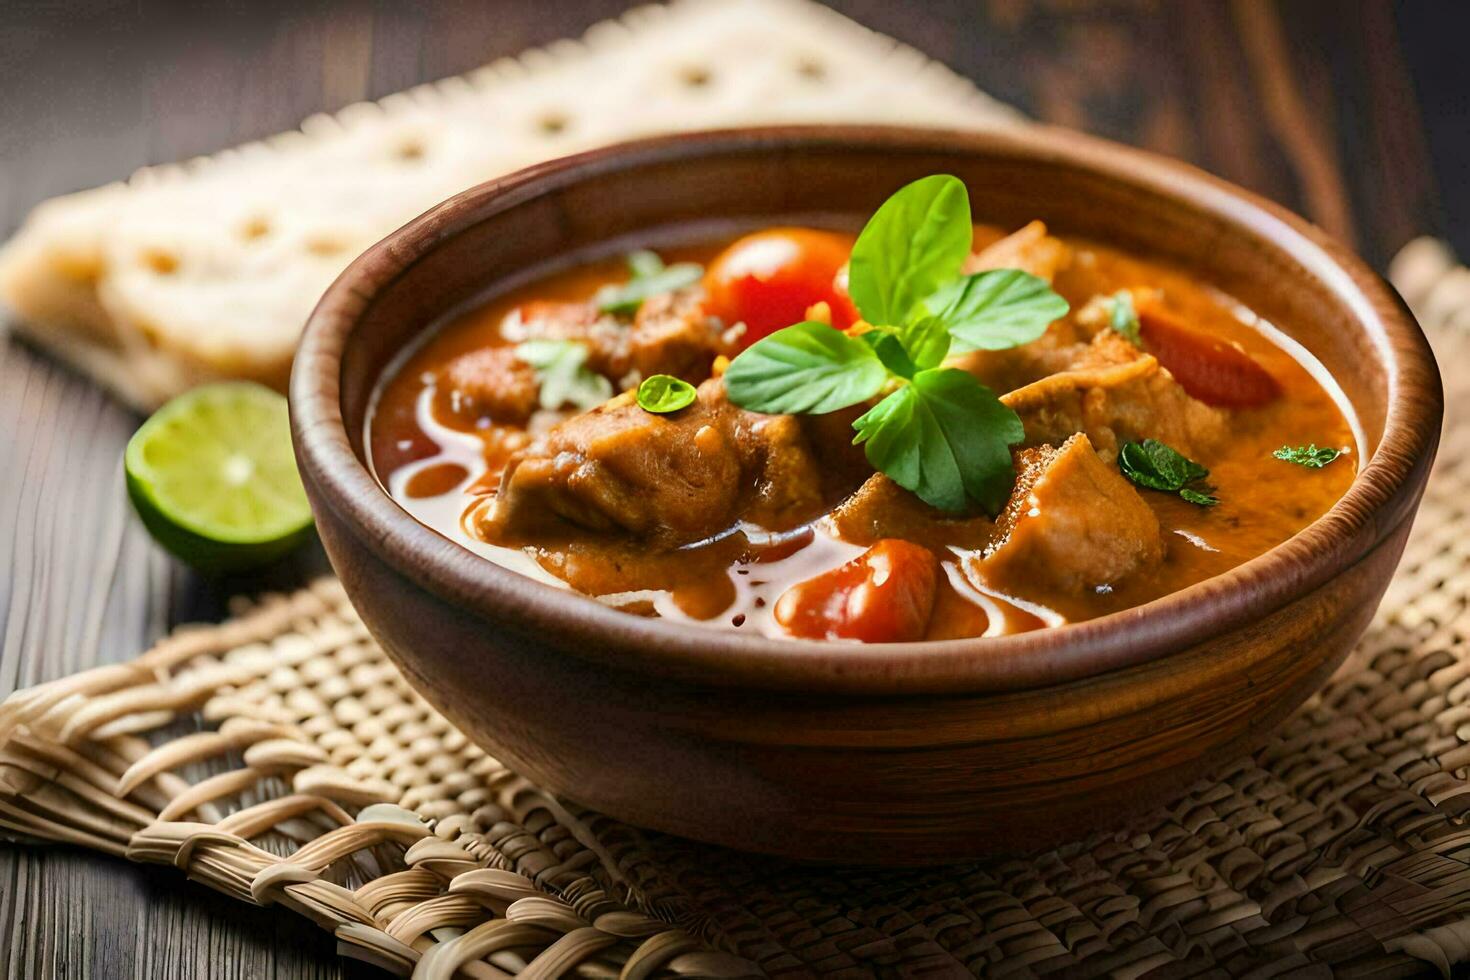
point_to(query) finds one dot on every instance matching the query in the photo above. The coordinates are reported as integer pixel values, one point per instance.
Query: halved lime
(212, 475)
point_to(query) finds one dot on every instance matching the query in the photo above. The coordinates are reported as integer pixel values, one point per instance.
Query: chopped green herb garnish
(1312, 456)
(1156, 466)
(1123, 317)
(935, 431)
(1199, 497)
(648, 277)
(561, 369)
(664, 393)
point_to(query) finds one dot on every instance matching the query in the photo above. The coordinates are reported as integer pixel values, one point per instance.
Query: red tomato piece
(769, 279)
(1212, 370)
(884, 595)
(844, 310)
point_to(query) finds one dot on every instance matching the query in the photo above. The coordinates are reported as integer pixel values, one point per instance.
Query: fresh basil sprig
(561, 369)
(1157, 466)
(648, 277)
(936, 431)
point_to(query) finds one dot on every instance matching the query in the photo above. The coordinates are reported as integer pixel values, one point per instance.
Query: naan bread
(208, 269)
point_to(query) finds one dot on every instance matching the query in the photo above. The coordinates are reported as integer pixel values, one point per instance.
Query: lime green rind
(208, 555)
(175, 465)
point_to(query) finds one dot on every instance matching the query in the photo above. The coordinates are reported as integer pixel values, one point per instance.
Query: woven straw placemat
(281, 758)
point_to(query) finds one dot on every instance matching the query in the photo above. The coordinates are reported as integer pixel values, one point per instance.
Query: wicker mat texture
(281, 758)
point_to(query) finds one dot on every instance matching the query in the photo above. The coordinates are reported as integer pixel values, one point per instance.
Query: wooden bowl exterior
(902, 754)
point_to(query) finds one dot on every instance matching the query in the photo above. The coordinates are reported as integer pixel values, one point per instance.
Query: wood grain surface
(1349, 112)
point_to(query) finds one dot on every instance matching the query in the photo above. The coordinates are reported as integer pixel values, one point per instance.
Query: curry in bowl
(930, 430)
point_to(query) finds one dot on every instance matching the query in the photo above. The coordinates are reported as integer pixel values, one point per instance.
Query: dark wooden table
(1352, 113)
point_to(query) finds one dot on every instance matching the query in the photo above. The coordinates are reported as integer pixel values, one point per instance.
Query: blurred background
(1352, 112)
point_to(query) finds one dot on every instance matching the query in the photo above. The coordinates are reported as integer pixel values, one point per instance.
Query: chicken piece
(671, 334)
(1055, 351)
(1073, 524)
(1116, 403)
(882, 509)
(669, 480)
(1029, 249)
(491, 383)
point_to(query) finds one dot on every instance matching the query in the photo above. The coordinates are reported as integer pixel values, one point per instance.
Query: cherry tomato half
(884, 595)
(769, 279)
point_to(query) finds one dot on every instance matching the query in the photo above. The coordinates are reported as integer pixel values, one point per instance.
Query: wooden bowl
(895, 754)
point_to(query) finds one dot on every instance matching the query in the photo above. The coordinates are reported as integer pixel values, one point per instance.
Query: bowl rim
(1380, 498)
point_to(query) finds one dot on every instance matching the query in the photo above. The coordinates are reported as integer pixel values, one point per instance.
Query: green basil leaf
(1123, 317)
(808, 368)
(649, 277)
(890, 351)
(1156, 466)
(1312, 456)
(915, 241)
(946, 438)
(664, 393)
(927, 341)
(561, 369)
(996, 309)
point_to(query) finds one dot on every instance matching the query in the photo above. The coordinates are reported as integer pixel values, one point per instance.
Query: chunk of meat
(1072, 524)
(1030, 249)
(884, 595)
(1062, 348)
(1115, 403)
(491, 383)
(671, 334)
(668, 479)
(881, 509)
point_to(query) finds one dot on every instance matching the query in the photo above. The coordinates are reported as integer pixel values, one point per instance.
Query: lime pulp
(214, 480)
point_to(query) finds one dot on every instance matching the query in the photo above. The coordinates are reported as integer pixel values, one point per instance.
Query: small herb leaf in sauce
(1312, 456)
(946, 438)
(808, 368)
(648, 277)
(914, 243)
(561, 369)
(997, 309)
(664, 393)
(1199, 497)
(1156, 466)
(1123, 317)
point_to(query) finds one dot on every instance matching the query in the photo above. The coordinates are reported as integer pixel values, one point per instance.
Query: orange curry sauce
(441, 467)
